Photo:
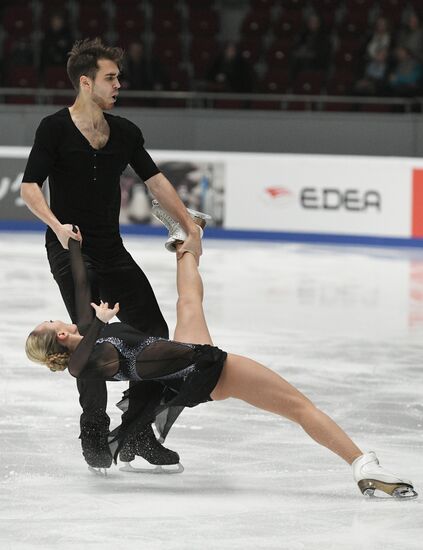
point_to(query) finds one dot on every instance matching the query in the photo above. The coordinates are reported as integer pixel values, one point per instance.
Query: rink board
(324, 198)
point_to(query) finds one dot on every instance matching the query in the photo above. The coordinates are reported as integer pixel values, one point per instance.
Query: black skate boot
(95, 448)
(145, 445)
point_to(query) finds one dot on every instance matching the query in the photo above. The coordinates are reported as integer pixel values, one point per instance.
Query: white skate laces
(371, 477)
(176, 233)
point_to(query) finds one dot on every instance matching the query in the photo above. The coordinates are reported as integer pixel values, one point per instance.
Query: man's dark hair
(84, 57)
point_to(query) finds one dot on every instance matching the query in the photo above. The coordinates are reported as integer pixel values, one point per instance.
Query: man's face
(106, 84)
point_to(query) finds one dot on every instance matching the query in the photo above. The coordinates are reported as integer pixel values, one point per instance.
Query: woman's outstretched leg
(245, 379)
(191, 324)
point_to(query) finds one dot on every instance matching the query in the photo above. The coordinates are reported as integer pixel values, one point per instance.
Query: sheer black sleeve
(79, 358)
(43, 153)
(84, 312)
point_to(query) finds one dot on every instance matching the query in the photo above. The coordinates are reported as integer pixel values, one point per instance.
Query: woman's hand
(103, 312)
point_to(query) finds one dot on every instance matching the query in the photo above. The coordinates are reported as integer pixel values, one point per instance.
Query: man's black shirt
(84, 182)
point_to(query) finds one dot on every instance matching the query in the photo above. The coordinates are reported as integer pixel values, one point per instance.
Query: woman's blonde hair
(42, 347)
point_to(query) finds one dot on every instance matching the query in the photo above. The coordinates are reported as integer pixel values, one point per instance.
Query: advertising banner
(198, 180)
(379, 197)
(12, 165)
(321, 194)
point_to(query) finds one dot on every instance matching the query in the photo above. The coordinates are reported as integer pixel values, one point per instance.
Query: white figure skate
(371, 477)
(176, 233)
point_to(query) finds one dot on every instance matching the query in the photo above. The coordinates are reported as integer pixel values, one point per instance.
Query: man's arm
(161, 188)
(41, 160)
(34, 199)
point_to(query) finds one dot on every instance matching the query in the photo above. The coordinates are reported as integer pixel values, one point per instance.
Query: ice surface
(344, 325)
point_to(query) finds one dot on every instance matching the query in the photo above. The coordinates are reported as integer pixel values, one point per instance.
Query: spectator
(381, 38)
(411, 37)
(56, 43)
(406, 76)
(142, 72)
(230, 72)
(375, 75)
(21, 53)
(313, 48)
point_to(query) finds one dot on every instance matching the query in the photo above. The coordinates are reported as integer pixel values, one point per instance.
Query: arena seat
(199, 4)
(17, 20)
(251, 49)
(309, 82)
(202, 52)
(21, 77)
(203, 22)
(92, 21)
(275, 81)
(375, 108)
(294, 4)
(347, 58)
(255, 25)
(359, 5)
(166, 22)
(168, 50)
(340, 83)
(129, 20)
(290, 23)
(262, 5)
(278, 55)
(56, 77)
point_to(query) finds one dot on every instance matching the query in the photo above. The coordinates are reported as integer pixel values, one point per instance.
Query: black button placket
(95, 167)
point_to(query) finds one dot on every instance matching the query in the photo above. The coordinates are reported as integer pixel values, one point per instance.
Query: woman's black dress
(188, 372)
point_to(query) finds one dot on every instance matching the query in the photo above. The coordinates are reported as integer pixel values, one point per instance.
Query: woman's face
(58, 326)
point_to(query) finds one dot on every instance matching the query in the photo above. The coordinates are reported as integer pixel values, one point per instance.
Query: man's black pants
(115, 279)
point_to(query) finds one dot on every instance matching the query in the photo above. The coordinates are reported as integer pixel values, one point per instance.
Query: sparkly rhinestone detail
(127, 369)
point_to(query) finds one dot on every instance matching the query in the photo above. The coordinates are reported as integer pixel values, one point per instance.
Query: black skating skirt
(165, 401)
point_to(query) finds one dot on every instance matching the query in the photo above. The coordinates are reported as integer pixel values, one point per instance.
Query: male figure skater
(83, 150)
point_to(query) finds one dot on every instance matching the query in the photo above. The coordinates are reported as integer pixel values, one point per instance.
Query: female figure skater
(191, 370)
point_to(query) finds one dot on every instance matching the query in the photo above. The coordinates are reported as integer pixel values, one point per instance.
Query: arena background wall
(249, 131)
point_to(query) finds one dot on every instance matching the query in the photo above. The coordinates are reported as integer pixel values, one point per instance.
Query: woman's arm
(81, 354)
(84, 312)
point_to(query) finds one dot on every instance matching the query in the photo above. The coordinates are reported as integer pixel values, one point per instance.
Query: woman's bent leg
(245, 379)
(191, 326)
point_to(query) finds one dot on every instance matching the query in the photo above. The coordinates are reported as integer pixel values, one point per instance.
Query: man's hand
(103, 312)
(193, 244)
(66, 232)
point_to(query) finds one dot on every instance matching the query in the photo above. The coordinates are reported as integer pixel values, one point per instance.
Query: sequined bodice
(128, 367)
